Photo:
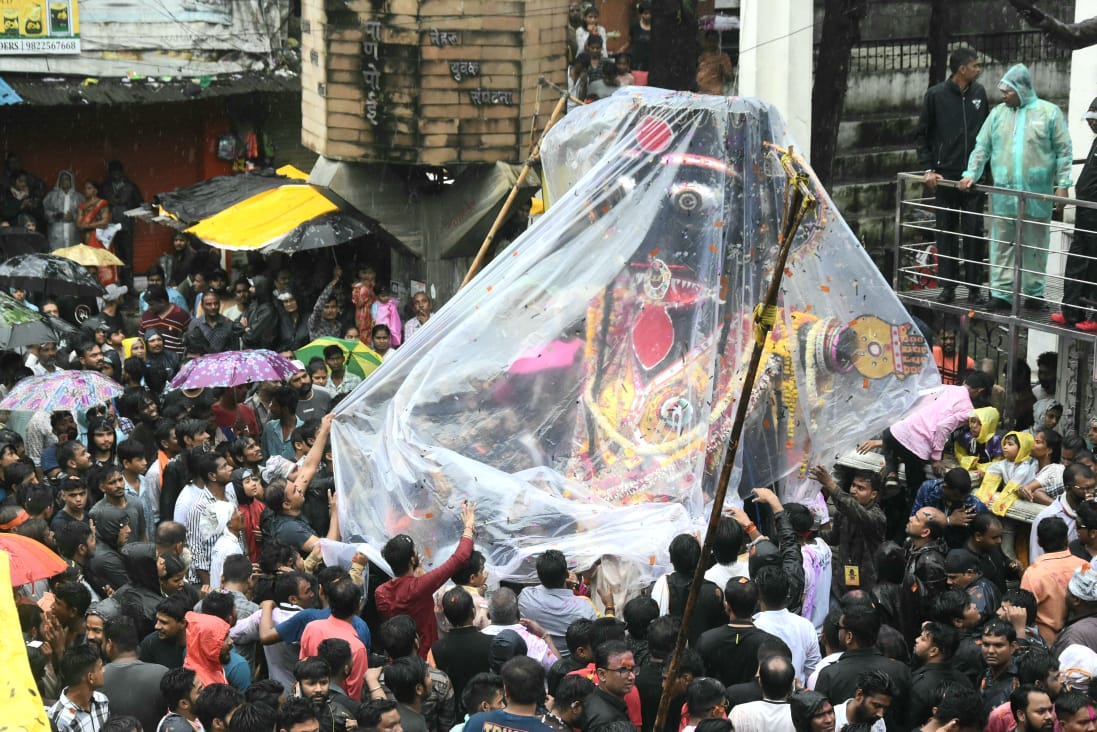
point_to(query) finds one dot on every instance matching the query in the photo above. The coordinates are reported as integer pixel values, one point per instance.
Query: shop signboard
(38, 27)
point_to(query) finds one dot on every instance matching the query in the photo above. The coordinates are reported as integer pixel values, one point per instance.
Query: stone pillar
(775, 60)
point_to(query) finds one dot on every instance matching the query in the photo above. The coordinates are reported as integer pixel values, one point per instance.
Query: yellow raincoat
(1013, 474)
(968, 455)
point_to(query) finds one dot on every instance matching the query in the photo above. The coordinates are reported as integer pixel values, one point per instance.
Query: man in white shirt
(1078, 484)
(869, 704)
(798, 632)
(772, 713)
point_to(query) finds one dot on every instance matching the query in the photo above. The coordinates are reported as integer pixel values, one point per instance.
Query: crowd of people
(197, 596)
(595, 72)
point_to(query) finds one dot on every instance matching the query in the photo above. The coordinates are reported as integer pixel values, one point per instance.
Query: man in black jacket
(934, 648)
(616, 671)
(857, 630)
(952, 113)
(784, 553)
(925, 564)
(1081, 267)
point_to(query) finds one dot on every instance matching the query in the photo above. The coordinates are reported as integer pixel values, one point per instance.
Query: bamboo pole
(534, 157)
(798, 201)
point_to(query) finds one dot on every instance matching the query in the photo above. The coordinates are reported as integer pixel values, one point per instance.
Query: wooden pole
(798, 201)
(534, 157)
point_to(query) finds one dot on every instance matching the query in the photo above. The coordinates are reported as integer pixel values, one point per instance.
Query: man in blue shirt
(524, 688)
(953, 496)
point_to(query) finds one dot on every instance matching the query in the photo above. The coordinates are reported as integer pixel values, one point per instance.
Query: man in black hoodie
(260, 320)
(952, 113)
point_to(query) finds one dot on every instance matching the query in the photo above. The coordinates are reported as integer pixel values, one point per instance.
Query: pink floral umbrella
(233, 368)
(63, 390)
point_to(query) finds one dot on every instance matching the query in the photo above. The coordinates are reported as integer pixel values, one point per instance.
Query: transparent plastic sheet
(582, 388)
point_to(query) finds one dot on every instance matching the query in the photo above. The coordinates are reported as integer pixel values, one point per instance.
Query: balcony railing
(912, 54)
(918, 280)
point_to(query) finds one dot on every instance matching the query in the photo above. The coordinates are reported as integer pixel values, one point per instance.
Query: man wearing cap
(1081, 268)
(1082, 605)
(169, 320)
(212, 332)
(158, 357)
(110, 304)
(1026, 141)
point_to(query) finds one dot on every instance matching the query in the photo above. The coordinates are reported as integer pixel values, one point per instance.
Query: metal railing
(918, 280)
(912, 54)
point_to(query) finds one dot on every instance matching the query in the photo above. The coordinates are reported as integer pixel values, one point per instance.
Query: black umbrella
(326, 231)
(17, 240)
(62, 327)
(49, 275)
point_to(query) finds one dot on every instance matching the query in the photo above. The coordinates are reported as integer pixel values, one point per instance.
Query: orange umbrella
(30, 561)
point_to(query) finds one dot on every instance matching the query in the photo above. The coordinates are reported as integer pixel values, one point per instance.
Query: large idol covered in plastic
(581, 389)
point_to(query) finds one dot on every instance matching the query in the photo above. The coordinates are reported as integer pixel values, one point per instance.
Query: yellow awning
(290, 171)
(262, 220)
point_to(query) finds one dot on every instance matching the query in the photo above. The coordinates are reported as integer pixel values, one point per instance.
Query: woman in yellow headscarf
(133, 348)
(979, 445)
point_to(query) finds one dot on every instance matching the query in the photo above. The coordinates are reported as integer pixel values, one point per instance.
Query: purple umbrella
(61, 390)
(233, 368)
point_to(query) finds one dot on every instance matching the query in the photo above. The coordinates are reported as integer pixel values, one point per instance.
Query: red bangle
(750, 527)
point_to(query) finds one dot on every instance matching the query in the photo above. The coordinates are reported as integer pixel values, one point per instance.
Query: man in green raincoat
(1027, 143)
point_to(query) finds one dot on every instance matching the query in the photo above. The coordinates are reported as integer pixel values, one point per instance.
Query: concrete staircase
(872, 149)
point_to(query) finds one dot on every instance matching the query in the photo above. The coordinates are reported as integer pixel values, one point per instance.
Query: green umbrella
(361, 359)
(21, 326)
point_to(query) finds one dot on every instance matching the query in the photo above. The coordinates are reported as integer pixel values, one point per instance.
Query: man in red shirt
(344, 599)
(170, 321)
(411, 592)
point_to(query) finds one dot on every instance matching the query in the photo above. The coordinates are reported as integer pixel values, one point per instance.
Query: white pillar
(775, 60)
(1083, 86)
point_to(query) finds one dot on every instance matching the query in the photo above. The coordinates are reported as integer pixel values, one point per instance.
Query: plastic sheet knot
(765, 317)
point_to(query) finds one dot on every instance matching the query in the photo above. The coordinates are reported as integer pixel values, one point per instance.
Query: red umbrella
(30, 561)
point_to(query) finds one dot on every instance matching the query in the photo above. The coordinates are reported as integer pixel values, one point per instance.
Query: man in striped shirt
(202, 522)
(169, 320)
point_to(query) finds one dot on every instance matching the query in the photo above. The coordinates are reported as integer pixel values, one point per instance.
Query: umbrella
(64, 390)
(61, 327)
(194, 203)
(17, 240)
(89, 256)
(21, 326)
(49, 275)
(361, 359)
(233, 368)
(325, 231)
(30, 560)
